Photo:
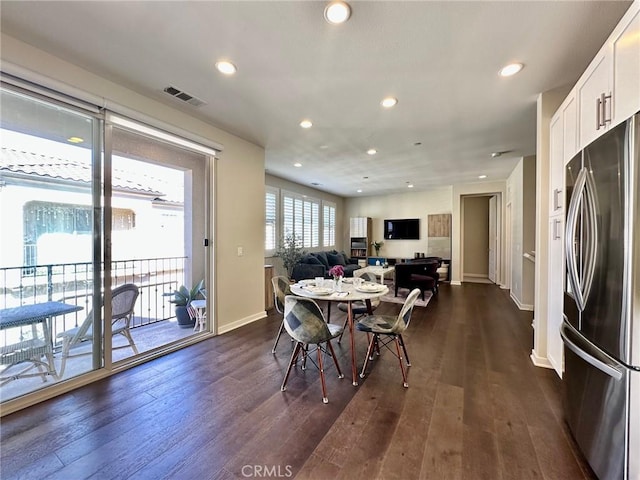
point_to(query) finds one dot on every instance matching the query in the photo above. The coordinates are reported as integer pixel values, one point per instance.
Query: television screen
(404, 229)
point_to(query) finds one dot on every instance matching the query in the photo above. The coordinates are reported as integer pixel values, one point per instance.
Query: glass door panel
(50, 255)
(158, 227)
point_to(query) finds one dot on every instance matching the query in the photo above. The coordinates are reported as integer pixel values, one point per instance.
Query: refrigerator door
(603, 318)
(596, 404)
(572, 239)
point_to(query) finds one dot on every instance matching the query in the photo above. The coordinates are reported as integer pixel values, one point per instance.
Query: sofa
(318, 264)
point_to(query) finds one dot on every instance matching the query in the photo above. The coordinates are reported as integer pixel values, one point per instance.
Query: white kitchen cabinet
(609, 90)
(594, 97)
(563, 142)
(555, 293)
(626, 68)
(556, 164)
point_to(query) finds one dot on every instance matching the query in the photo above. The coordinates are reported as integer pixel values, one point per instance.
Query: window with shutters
(328, 224)
(301, 216)
(271, 220)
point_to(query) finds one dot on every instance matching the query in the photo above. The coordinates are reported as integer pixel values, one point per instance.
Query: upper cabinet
(608, 92)
(626, 71)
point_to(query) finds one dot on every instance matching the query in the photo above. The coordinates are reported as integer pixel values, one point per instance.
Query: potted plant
(182, 297)
(290, 251)
(377, 246)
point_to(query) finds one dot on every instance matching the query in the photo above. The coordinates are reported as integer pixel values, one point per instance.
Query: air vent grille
(184, 96)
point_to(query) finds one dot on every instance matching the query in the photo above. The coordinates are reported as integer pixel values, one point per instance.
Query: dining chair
(123, 300)
(304, 321)
(280, 290)
(359, 307)
(391, 328)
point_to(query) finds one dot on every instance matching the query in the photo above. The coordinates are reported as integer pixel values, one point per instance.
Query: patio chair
(305, 322)
(392, 328)
(123, 300)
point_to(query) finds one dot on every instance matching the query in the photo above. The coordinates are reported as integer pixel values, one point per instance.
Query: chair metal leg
(404, 375)
(273, 350)
(324, 387)
(335, 360)
(369, 353)
(294, 356)
(406, 355)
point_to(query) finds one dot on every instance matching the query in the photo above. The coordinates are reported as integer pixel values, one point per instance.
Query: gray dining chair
(359, 307)
(304, 321)
(280, 290)
(385, 329)
(123, 300)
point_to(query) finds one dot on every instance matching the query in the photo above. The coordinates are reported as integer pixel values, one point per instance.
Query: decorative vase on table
(337, 272)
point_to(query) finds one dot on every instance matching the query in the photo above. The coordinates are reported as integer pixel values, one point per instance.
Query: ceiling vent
(184, 96)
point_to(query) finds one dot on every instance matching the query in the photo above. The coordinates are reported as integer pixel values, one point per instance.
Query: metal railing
(72, 283)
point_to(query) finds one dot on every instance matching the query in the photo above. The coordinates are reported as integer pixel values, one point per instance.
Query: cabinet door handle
(606, 100)
(557, 205)
(556, 229)
(598, 112)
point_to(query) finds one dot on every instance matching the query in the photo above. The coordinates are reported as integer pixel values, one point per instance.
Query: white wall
(406, 205)
(520, 194)
(238, 188)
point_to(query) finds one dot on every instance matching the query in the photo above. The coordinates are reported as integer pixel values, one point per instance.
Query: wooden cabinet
(608, 91)
(360, 237)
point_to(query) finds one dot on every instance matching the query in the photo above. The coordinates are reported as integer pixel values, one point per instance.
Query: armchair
(422, 275)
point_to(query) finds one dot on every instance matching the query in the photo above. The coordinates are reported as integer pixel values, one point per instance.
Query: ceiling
(439, 59)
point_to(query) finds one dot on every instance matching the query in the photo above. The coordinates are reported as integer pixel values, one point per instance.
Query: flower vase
(337, 284)
(377, 252)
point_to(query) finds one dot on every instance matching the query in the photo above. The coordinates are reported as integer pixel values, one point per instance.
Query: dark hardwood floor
(476, 408)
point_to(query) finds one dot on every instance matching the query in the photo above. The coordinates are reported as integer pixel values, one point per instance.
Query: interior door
(493, 237)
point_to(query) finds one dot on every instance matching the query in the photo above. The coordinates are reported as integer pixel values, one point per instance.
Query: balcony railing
(72, 283)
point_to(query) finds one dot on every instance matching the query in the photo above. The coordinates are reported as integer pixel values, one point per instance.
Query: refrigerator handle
(570, 235)
(590, 353)
(591, 204)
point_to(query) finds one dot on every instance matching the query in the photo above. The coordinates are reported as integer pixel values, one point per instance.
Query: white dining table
(348, 294)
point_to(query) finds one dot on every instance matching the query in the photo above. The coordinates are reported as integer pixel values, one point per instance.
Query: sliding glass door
(78, 293)
(51, 253)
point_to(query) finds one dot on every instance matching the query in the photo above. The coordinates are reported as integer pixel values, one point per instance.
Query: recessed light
(389, 102)
(359, 190)
(482, 176)
(226, 67)
(337, 12)
(372, 151)
(306, 124)
(75, 140)
(511, 69)
(324, 147)
(496, 154)
(298, 164)
(410, 185)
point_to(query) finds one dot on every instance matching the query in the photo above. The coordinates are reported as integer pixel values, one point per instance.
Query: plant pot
(183, 317)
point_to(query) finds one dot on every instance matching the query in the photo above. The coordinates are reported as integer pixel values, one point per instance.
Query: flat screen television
(404, 229)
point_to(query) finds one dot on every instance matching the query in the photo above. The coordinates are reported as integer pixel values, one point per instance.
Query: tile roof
(26, 163)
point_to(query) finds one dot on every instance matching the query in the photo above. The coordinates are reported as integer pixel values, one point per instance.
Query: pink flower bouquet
(336, 271)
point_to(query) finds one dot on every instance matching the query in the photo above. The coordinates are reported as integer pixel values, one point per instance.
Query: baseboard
(456, 282)
(538, 361)
(521, 306)
(241, 323)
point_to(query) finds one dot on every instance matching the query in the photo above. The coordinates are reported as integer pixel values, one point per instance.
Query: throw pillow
(322, 256)
(335, 259)
(310, 260)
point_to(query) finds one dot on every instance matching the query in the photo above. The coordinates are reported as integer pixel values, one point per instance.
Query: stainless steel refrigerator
(601, 325)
